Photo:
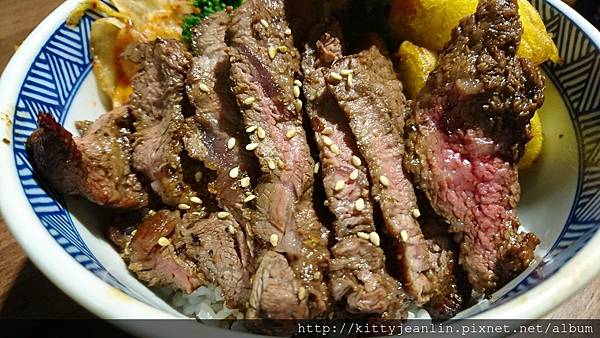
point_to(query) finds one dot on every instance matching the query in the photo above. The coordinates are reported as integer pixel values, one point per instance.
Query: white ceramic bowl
(561, 195)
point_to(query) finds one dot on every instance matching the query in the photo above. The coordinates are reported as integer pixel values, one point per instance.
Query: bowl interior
(560, 198)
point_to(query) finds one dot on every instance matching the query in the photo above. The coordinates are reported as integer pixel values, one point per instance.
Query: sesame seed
(356, 161)
(354, 175)
(297, 83)
(231, 229)
(271, 164)
(384, 181)
(233, 173)
(364, 193)
(350, 80)
(312, 97)
(198, 176)
(251, 129)
(316, 167)
(288, 31)
(327, 131)
(280, 164)
(346, 72)
(291, 133)
(374, 238)
(151, 212)
(184, 206)
(252, 146)
(249, 100)
(264, 23)
(363, 235)
(249, 198)
(196, 200)
(283, 49)
(326, 203)
(274, 239)
(134, 232)
(416, 213)
(272, 52)
(335, 77)
(296, 91)
(298, 105)
(335, 149)
(339, 185)
(404, 235)
(163, 241)
(231, 143)
(245, 182)
(260, 132)
(204, 88)
(359, 204)
(222, 214)
(327, 141)
(317, 275)
(301, 292)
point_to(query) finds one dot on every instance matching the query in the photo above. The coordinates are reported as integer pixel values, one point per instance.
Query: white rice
(206, 302)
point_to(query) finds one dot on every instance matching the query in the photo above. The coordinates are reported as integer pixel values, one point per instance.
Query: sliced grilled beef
(185, 253)
(448, 299)
(275, 290)
(264, 63)
(371, 102)
(218, 248)
(216, 135)
(306, 247)
(453, 289)
(332, 131)
(358, 275)
(160, 80)
(96, 166)
(357, 268)
(469, 128)
(157, 100)
(157, 263)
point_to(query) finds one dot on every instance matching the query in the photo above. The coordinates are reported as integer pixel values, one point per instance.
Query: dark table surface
(26, 293)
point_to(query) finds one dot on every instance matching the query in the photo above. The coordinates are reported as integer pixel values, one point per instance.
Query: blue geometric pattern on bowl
(65, 61)
(578, 81)
(50, 86)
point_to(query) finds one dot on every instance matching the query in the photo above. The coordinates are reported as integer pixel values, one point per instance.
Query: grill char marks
(469, 127)
(374, 98)
(357, 268)
(157, 106)
(96, 166)
(264, 63)
(215, 134)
